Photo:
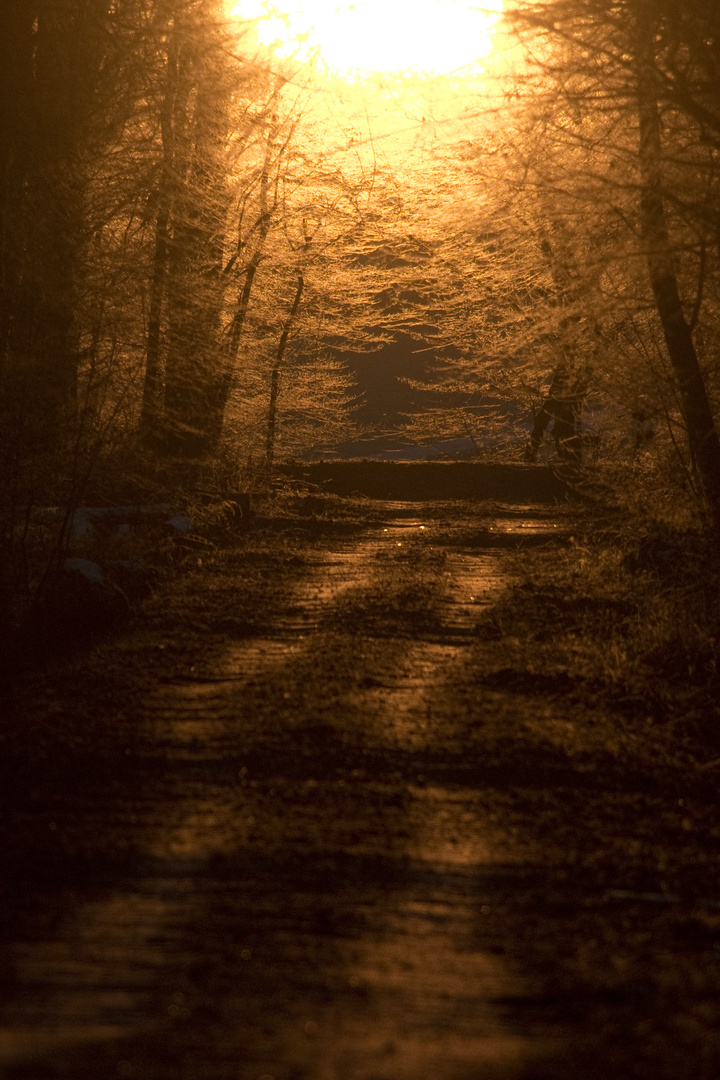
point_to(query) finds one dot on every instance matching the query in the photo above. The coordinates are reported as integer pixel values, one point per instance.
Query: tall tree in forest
(192, 200)
(51, 69)
(165, 185)
(199, 218)
(223, 138)
(696, 406)
(240, 271)
(627, 91)
(73, 75)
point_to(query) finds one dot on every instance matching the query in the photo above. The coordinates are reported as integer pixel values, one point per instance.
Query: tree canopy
(170, 178)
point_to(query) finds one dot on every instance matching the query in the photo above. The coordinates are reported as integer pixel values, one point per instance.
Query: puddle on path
(286, 926)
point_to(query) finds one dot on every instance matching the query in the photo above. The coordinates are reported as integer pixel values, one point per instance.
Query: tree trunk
(151, 412)
(275, 378)
(16, 23)
(702, 433)
(49, 82)
(195, 258)
(230, 351)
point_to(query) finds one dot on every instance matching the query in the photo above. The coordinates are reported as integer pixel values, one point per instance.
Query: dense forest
(359, 522)
(216, 252)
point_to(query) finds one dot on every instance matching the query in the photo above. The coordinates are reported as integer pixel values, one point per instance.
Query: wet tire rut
(297, 881)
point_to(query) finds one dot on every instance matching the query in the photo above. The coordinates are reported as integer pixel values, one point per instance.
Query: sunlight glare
(428, 36)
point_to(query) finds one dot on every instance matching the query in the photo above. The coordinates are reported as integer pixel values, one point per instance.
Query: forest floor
(374, 790)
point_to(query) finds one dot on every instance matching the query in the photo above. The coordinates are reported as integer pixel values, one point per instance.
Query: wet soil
(320, 813)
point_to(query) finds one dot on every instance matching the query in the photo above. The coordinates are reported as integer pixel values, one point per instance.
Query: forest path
(286, 864)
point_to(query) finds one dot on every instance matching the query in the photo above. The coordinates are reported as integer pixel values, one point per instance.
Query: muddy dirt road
(276, 831)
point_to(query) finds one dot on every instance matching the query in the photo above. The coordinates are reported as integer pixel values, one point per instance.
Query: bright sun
(431, 36)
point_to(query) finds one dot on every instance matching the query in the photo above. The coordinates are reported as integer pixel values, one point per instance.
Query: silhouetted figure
(562, 407)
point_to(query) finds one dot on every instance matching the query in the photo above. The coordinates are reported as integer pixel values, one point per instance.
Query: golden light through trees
(422, 36)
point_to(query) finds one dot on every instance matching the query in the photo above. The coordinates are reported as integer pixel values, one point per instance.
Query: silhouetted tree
(621, 119)
(56, 59)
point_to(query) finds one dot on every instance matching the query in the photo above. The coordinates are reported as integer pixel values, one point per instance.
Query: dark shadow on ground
(435, 480)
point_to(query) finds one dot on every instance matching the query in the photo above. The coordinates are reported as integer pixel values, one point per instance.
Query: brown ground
(365, 796)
